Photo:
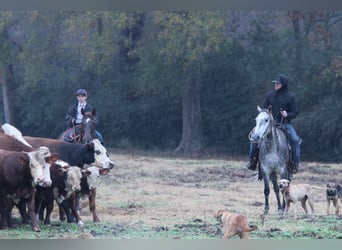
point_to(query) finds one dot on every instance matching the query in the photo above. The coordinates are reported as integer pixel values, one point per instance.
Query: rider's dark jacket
(72, 113)
(279, 100)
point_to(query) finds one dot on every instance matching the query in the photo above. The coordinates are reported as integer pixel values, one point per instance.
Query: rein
(81, 132)
(73, 136)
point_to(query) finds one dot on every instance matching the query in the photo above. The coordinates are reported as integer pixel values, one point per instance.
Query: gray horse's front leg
(266, 195)
(276, 191)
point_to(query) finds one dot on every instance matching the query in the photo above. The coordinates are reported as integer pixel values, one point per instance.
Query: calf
(89, 182)
(19, 174)
(65, 198)
(65, 182)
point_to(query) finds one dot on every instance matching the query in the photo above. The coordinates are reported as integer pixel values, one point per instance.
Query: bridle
(267, 130)
(91, 127)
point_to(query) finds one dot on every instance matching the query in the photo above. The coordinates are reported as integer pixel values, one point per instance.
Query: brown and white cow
(89, 184)
(11, 143)
(19, 174)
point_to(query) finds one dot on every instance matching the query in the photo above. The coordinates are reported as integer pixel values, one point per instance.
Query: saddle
(71, 135)
(282, 127)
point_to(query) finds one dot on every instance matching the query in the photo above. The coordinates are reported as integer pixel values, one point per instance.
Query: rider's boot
(294, 167)
(253, 156)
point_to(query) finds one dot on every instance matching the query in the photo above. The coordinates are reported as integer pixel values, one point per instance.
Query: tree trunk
(192, 139)
(6, 99)
(298, 59)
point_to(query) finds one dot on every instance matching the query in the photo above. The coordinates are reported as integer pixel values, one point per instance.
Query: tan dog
(234, 224)
(294, 193)
(334, 193)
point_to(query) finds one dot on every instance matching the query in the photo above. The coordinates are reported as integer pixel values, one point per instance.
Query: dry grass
(161, 193)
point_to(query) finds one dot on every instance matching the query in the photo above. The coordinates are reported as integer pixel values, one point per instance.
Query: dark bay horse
(273, 154)
(81, 133)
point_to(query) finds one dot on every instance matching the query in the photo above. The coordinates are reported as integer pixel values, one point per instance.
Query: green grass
(324, 227)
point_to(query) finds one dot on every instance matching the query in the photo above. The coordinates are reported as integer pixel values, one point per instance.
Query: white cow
(14, 132)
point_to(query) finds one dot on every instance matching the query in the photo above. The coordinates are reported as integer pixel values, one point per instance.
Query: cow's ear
(86, 173)
(60, 171)
(23, 160)
(56, 156)
(50, 159)
(103, 171)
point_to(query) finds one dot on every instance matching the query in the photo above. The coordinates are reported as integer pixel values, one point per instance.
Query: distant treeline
(184, 80)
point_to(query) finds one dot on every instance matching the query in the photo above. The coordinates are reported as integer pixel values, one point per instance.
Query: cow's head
(49, 160)
(101, 156)
(40, 162)
(92, 174)
(73, 181)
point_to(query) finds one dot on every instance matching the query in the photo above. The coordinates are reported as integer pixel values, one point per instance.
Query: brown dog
(234, 224)
(334, 193)
(294, 193)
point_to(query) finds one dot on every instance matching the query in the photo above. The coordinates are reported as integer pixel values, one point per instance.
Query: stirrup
(293, 168)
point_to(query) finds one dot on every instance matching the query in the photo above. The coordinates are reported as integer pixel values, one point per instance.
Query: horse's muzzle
(255, 138)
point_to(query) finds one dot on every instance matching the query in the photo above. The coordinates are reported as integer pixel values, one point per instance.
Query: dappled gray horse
(273, 153)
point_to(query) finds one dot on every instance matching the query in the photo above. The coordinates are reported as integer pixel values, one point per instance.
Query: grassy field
(150, 196)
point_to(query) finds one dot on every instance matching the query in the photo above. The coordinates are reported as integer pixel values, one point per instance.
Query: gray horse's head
(263, 121)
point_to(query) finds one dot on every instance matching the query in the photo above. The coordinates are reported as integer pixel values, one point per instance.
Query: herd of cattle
(35, 172)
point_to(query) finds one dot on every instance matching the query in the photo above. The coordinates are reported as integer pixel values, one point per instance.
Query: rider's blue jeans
(99, 136)
(295, 142)
(294, 139)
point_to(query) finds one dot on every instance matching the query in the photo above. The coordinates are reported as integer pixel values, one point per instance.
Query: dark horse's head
(87, 129)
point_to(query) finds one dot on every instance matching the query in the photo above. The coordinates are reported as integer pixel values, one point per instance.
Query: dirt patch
(163, 192)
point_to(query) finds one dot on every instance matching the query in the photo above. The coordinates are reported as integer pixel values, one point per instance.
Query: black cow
(75, 154)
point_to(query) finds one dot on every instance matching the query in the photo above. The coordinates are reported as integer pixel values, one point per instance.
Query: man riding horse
(284, 109)
(75, 114)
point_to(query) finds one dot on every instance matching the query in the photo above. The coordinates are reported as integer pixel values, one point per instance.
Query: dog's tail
(317, 187)
(249, 228)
